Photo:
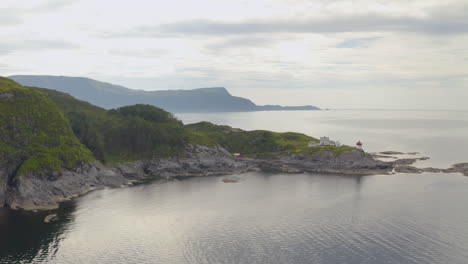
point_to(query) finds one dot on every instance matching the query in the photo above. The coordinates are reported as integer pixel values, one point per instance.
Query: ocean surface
(274, 218)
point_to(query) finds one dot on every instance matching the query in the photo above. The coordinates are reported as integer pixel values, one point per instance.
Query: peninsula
(54, 147)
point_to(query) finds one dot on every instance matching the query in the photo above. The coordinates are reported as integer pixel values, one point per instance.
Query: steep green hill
(144, 132)
(35, 136)
(123, 134)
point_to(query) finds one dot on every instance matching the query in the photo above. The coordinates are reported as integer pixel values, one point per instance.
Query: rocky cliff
(42, 191)
(354, 162)
(35, 137)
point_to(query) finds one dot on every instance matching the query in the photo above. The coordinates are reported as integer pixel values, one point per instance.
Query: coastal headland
(54, 148)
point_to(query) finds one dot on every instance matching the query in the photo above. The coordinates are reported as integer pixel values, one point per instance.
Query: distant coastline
(106, 95)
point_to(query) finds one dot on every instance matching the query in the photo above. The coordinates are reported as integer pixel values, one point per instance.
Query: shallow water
(272, 218)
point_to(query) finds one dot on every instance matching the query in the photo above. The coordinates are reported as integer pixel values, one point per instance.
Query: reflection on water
(24, 235)
(263, 218)
(267, 218)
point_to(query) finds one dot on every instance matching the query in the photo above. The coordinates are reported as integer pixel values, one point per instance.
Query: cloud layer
(273, 51)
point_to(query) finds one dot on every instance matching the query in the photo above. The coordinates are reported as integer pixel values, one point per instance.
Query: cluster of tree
(123, 134)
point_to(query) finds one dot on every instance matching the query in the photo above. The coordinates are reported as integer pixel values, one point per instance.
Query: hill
(109, 96)
(54, 147)
(35, 136)
(129, 133)
(141, 132)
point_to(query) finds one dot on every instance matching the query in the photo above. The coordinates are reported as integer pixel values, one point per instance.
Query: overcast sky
(334, 54)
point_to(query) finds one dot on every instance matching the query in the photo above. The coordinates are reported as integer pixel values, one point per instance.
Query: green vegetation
(257, 143)
(47, 130)
(246, 142)
(337, 151)
(34, 134)
(124, 134)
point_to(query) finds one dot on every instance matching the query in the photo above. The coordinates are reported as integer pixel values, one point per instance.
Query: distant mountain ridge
(106, 95)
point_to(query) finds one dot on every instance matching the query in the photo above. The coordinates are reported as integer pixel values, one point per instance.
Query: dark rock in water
(407, 169)
(228, 180)
(391, 153)
(460, 167)
(50, 218)
(378, 156)
(433, 170)
(403, 162)
(353, 162)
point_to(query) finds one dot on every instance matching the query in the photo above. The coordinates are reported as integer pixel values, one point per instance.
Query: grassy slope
(34, 134)
(260, 143)
(144, 132)
(124, 134)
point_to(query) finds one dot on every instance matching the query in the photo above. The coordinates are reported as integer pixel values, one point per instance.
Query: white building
(325, 141)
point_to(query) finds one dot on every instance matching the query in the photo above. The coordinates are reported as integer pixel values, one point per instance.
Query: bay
(273, 218)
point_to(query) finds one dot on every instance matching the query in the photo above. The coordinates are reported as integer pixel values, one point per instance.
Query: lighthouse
(359, 145)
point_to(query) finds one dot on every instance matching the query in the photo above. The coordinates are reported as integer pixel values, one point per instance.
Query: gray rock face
(200, 161)
(45, 191)
(3, 186)
(354, 162)
(6, 95)
(460, 167)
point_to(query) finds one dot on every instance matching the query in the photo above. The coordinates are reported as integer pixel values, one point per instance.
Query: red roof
(359, 143)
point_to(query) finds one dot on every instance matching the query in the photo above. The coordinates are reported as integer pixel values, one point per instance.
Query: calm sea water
(273, 218)
(441, 135)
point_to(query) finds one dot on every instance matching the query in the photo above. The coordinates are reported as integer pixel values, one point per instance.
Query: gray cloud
(35, 45)
(13, 16)
(8, 18)
(152, 53)
(357, 42)
(52, 5)
(448, 19)
(241, 42)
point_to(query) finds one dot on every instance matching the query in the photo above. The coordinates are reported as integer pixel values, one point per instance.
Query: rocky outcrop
(6, 95)
(355, 162)
(45, 191)
(200, 161)
(406, 166)
(3, 186)
(461, 168)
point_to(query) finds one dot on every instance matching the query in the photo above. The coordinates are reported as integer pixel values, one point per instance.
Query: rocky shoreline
(47, 191)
